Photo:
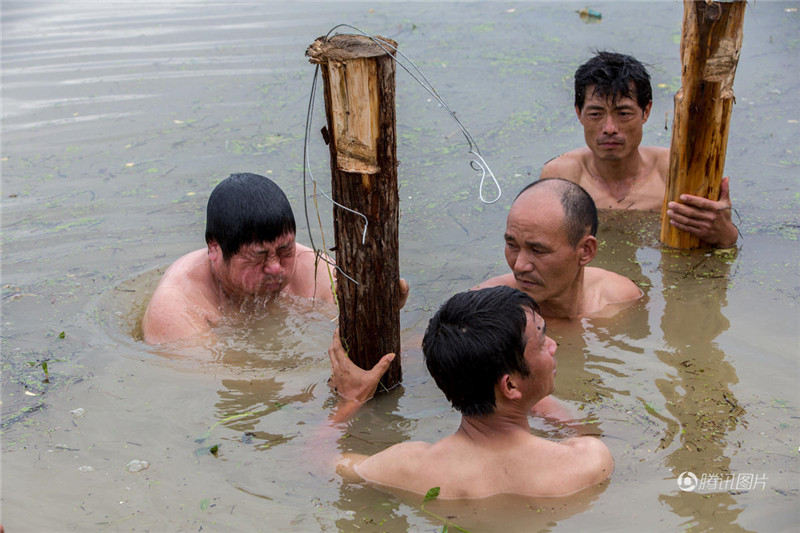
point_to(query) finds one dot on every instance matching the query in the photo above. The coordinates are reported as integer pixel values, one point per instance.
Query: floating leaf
(211, 450)
(204, 504)
(62, 335)
(432, 494)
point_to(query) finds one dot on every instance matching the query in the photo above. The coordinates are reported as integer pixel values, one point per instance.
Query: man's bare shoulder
(609, 287)
(569, 165)
(313, 276)
(661, 153)
(591, 462)
(182, 302)
(506, 280)
(397, 466)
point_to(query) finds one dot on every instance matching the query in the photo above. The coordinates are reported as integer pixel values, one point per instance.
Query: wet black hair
(474, 339)
(247, 208)
(580, 211)
(613, 75)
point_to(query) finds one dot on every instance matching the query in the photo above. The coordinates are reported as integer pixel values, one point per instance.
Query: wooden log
(359, 82)
(710, 45)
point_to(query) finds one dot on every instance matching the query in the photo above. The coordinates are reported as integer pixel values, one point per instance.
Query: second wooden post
(710, 44)
(359, 83)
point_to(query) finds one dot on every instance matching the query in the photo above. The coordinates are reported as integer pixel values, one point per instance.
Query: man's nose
(523, 263)
(609, 124)
(272, 265)
(552, 346)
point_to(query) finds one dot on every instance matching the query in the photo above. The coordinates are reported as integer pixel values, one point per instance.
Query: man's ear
(587, 249)
(508, 388)
(646, 111)
(214, 251)
(578, 112)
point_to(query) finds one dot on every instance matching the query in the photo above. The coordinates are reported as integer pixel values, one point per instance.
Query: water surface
(118, 120)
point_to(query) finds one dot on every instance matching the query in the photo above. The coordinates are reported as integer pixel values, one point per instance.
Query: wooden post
(359, 81)
(710, 44)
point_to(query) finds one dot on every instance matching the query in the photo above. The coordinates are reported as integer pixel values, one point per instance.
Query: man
(251, 257)
(613, 99)
(489, 353)
(550, 240)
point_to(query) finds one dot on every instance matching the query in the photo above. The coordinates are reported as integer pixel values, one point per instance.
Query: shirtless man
(613, 99)
(550, 240)
(251, 257)
(489, 353)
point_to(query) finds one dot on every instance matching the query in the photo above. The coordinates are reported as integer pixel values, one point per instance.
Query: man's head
(244, 209)
(250, 232)
(612, 75)
(478, 337)
(613, 99)
(550, 237)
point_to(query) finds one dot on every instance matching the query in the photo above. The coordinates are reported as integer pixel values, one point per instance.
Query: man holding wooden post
(489, 352)
(613, 98)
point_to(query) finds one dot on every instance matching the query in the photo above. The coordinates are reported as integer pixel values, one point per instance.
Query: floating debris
(77, 413)
(137, 466)
(86, 468)
(589, 15)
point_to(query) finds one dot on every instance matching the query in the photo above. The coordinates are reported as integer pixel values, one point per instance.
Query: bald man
(550, 240)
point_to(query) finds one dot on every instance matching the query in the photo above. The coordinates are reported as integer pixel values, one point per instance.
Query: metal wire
(479, 164)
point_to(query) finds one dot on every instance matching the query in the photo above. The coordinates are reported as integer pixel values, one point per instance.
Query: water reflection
(249, 404)
(698, 394)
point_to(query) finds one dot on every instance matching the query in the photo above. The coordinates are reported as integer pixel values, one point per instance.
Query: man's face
(542, 260)
(612, 131)
(257, 269)
(540, 353)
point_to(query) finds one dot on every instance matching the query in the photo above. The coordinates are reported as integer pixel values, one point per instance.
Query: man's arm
(504, 280)
(354, 385)
(168, 318)
(707, 219)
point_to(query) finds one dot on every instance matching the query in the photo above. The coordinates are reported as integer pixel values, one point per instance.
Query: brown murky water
(118, 119)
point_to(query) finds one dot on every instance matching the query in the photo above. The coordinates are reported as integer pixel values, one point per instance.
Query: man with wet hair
(250, 257)
(613, 98)
(489, 353)
(550, 240)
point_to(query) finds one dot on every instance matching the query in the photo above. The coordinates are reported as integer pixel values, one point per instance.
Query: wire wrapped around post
(359, 83)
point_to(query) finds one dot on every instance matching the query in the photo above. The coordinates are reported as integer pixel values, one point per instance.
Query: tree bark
(710, 45)
(359, 82)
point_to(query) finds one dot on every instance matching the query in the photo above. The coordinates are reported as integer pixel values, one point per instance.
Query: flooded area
(119, 118)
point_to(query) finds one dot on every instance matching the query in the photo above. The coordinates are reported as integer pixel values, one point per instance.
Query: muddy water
(118, 119)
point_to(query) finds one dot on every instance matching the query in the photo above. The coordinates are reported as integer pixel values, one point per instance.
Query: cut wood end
(344, 46)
